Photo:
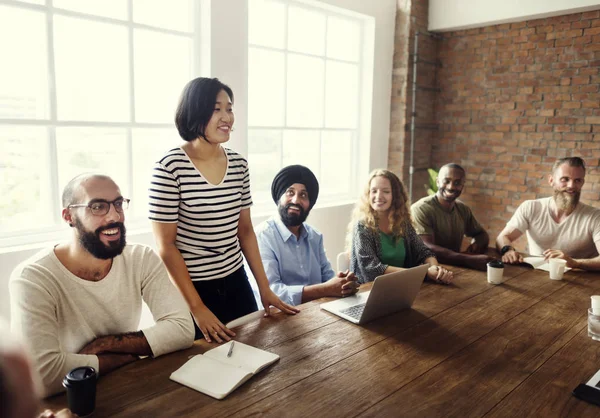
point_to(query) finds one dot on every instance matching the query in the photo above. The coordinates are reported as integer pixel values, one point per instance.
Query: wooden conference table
(470, 349)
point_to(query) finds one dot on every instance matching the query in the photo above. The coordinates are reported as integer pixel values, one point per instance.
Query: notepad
(216, 375)
(539, 263)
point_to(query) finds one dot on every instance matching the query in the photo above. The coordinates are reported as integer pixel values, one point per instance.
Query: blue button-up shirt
(292, 263)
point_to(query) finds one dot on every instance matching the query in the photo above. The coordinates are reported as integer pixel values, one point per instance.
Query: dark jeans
(228, 298)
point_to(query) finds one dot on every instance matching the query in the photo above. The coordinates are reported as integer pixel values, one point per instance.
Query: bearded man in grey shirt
(79, 303)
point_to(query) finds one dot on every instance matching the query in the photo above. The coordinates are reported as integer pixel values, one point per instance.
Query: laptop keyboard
(354, 311)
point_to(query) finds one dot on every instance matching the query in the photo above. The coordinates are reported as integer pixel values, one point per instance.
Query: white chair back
(343, 261)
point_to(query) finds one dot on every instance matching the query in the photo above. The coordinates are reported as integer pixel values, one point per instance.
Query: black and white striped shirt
(207, 215)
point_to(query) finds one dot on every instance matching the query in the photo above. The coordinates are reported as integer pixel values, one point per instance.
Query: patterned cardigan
(365, 253)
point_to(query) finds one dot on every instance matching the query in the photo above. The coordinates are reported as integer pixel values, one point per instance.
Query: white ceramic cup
(495, 272)
(596, 304)
(557, 268)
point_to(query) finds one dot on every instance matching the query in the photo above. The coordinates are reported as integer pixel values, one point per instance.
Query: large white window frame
(200, 65)
(261, 192)
(221, 50)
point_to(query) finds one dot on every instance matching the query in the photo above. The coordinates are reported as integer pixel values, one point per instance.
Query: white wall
(228, 61)
(446, 15)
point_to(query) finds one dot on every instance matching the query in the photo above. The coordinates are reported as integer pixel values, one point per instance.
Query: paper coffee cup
(557, 268)
(81, 390)
(495, 272)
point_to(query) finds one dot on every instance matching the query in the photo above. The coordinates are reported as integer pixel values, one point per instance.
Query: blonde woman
(381, 236)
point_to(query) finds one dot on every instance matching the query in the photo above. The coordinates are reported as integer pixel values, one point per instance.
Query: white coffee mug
(495, 272)
(557, 268)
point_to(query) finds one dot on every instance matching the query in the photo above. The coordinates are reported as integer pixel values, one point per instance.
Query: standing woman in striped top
(200, 212)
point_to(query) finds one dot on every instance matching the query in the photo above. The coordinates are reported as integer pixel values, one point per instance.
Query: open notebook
(216, 375)
(539, 263)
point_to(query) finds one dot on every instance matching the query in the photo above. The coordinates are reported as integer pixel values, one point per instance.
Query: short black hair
(68, 195)
(571, 161)
(453, 165)
(196, 106)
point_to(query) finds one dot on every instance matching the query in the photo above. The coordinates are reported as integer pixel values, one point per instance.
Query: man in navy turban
(292, 251)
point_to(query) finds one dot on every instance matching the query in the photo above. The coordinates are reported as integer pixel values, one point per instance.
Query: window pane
(108, 8)
(167, 14)
(266, 87)
(266, 23)
(149, 145)
(162, 66)
(92, 70)
(341, 108)
(302, 147)
(306, 31)
(264, 161)
(305, 91)
(343, 39)
(336, 151)
(24, 186)
(24, 70)
(82, 150)
(34, 1)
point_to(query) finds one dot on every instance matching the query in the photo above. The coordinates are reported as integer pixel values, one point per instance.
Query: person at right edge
(559, 226)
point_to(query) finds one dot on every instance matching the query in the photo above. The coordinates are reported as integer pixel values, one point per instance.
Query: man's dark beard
(564, 201)
(92, 243)
(292, 219)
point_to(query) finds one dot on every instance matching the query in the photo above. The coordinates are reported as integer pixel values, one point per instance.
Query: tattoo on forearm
(129, 342)
(129, 335)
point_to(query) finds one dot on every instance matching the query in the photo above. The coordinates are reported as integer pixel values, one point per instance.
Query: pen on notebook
(230, 349)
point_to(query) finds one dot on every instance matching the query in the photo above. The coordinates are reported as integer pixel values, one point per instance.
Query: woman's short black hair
(196, 106)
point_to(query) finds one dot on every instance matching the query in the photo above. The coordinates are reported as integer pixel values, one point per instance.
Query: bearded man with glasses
(79, 303)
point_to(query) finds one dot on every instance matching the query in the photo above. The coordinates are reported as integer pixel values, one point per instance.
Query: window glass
(301, 146)
(264, 162)
(116, 9)
(341, 95)
(149, 145)
(304, 82)
(266, 23)
(306, 30)
(24, 180)
(162, 66)
(266, 92)
(336, 160)
(305, 91)
(92, 70)
(343, 39)
(166, 14)
(24, 67)
(96, 150)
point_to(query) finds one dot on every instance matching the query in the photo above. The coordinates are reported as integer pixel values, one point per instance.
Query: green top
(393, 252)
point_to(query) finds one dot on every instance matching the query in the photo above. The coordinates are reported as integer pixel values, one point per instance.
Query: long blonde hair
(399, 213)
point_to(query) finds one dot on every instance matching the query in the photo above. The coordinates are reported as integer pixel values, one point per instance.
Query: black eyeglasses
(102, 207)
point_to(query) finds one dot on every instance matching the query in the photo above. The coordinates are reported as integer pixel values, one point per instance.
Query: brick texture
(411, 17)
(513, 98)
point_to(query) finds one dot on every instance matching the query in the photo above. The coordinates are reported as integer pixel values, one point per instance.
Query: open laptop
(390, 293)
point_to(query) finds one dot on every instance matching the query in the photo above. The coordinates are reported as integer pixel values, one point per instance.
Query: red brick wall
(412, 16)
(513, 98)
